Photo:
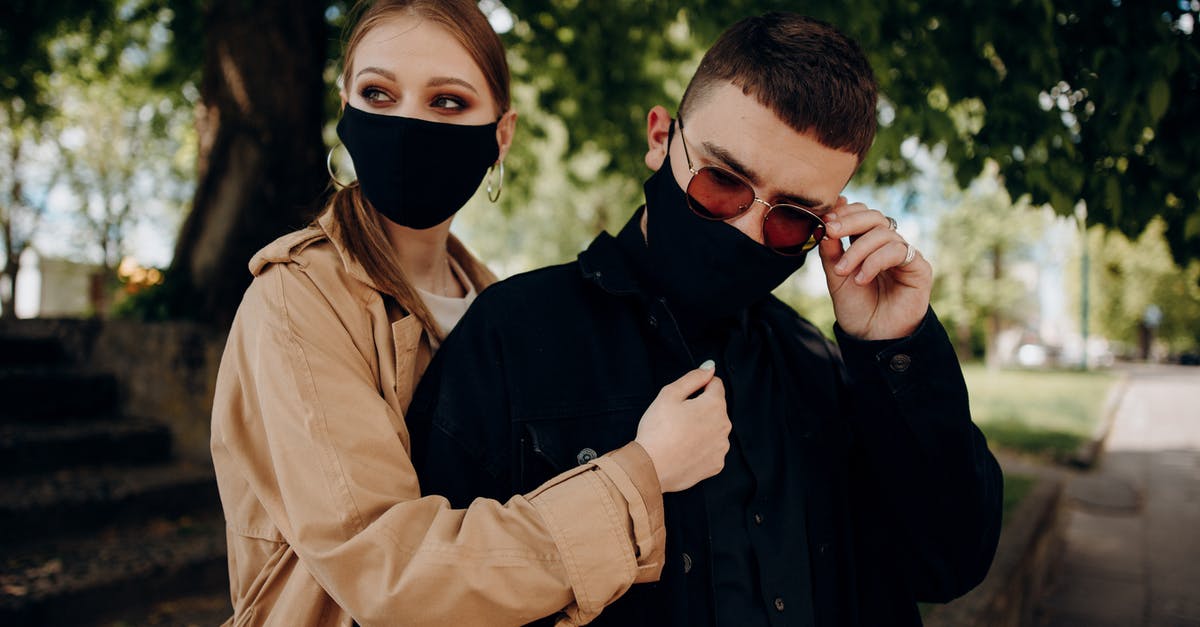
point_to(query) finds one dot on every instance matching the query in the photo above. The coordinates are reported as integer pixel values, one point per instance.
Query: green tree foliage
(127, 148)
(1129, 276)
(1072, 98)
(978, 241)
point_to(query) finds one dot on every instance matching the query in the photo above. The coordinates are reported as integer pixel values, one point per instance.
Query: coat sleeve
(338, 482)
(940, 489)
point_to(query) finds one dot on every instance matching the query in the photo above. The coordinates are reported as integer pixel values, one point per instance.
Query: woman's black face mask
(706, 269)
(414, 172)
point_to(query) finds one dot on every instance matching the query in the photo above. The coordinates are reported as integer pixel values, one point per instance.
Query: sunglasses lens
(790, 230)
(718, 195)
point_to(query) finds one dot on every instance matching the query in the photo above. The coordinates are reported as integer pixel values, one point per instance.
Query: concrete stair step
(23, 352)
(86, 498)
(115, 574)
(37, 447)
(41, 394)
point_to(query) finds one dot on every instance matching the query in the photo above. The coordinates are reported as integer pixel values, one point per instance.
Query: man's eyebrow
(731, 162)
(439, 81)
(377, 70)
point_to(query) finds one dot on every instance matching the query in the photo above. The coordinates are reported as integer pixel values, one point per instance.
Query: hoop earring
(329, 168)
(499, 187)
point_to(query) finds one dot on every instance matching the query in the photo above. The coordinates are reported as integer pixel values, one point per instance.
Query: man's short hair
(810, 75)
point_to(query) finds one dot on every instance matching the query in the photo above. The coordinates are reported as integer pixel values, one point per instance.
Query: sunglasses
(717, 194)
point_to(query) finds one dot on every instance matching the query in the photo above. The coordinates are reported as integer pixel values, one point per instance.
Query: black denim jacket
(879, 481)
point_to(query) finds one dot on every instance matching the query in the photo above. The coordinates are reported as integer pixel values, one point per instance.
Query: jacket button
(758, 519)
(586, 455)
(653, 321)
(687, 563)
(900, 362)
(779, 604)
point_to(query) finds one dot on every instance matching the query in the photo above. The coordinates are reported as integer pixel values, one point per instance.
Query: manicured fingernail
(833, 227)
(840, 267)
(708, 365)
(830, 217)
(860, 277)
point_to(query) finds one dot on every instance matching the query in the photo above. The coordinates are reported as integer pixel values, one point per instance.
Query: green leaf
(1158, 100)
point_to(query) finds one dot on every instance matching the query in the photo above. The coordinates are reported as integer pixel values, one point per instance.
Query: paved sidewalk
(1132, 554)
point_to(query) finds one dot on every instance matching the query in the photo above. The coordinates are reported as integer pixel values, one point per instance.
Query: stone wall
(164, 370)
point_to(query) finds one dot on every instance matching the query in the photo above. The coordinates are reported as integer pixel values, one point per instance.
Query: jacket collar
(611, 262)
(287, 248)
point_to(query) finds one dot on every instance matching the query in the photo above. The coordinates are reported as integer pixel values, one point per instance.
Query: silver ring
(909, 255)
(891, 223)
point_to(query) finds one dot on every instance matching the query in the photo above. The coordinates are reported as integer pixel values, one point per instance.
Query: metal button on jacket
(687, 563)
(900, 362)
(779, 604)
(586, 455)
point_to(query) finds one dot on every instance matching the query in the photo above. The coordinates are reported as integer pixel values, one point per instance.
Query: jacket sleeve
(338, 482)
(940, 488)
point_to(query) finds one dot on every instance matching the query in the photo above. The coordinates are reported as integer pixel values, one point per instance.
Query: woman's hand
(687, 438)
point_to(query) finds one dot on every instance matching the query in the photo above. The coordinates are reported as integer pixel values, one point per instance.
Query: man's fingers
(863, 247)
(887, 256)
(690, 383)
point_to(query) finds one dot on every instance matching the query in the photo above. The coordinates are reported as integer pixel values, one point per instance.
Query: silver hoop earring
(499, 186)
(329, 168)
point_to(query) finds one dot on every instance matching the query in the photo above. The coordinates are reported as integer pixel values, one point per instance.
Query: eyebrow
(439, 81)
(731, 162)
(436, 81)
(377, 70)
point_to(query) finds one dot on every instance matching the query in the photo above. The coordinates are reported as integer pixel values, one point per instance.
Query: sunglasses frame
(818, 230)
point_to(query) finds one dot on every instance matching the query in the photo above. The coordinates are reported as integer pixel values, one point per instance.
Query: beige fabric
(447, 310)
(325, 521)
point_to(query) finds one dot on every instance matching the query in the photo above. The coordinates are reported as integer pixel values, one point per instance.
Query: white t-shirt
(446, 310)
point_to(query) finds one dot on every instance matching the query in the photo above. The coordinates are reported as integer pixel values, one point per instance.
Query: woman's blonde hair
(357, 225)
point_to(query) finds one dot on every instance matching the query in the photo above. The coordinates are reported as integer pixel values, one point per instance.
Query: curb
(1030, 544)
(1088, 453)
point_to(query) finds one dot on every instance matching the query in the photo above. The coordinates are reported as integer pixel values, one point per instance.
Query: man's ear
(658, 136)
(505, 129)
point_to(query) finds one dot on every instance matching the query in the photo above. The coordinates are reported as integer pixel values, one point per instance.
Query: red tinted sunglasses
(715, 193)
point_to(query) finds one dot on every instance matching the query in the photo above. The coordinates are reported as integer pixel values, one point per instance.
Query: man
(855, 483)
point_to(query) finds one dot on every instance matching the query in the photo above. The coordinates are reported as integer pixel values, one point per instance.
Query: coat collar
(611, 262)
(287, 248)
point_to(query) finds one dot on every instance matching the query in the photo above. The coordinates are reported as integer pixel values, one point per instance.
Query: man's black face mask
(705, 269)
(416, 173)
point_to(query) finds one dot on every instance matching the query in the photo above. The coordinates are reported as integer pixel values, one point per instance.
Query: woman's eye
(448, 102)
(374, 94)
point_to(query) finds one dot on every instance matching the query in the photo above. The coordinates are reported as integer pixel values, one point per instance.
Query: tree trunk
(261, 169)
(8, 302)
(995, 324)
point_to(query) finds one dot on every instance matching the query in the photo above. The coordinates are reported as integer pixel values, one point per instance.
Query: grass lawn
(1045, 413)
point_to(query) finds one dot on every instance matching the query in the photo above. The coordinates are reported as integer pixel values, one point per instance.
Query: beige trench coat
(325, 520)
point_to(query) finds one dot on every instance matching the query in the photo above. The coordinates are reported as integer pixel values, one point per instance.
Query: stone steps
(98, 522)
(32, 395)
(79, 499)
(30, 352)
(115, 573)
(38, 447)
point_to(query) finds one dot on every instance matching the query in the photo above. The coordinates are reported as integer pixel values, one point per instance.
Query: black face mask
(705, 269)
(416, 173)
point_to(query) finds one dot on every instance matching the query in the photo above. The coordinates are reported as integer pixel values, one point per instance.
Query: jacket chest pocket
(548, 446)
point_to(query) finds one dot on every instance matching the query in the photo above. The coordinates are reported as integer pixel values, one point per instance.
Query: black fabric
(415, 172)
(706, 269)
(874, 488)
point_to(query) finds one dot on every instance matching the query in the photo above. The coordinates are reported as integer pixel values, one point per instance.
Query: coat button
(779, 604)
(900, 362)
(653, 321)
(687, 563)
(586, 455)
(758, 519)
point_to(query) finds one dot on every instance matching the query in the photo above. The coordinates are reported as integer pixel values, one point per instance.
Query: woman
(325, 521)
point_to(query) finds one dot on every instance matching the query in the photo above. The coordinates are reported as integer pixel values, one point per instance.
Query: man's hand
(876, 296)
